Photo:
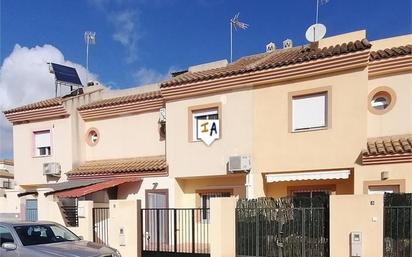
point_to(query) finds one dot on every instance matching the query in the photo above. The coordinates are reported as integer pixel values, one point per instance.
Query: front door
(157, 219)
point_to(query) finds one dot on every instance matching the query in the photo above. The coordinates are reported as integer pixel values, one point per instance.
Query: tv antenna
(90, 39)
(235, 23)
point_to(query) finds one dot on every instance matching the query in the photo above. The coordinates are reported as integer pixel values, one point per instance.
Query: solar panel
(66, 74)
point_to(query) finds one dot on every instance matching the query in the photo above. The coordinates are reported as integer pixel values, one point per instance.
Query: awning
(311, 175)
(82, 191)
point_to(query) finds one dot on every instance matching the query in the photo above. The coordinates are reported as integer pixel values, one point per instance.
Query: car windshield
(44, 234)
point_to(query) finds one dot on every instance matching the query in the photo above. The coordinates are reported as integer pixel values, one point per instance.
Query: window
(205, 200)
(42, 143)
(203, 115)
(5, 236)
(92, 136)
(6, 184)
(372, 190)
(381, 100)
(205, 131)
(309, 111)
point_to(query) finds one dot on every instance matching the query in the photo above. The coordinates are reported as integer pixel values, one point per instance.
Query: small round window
(381, 100)
(92, 136)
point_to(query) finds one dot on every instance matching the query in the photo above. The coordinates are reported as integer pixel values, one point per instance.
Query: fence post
(222, 227)
(193, 231)
(125, 227)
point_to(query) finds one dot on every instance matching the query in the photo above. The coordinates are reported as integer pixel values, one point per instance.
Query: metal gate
(296, 229)
(397, 217)
(175, 232)
(101, 225)
(31, 210)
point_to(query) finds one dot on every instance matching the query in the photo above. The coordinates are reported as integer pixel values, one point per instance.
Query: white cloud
(25, 78)
(145, 76)
(126, 31)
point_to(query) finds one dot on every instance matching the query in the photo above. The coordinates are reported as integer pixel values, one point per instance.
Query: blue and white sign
(208, 130)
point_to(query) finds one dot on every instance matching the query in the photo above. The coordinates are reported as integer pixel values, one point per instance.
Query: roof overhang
(310, 175)
(85, 190)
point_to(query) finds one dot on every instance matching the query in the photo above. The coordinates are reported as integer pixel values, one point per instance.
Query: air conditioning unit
(52, 169)
(239, 163)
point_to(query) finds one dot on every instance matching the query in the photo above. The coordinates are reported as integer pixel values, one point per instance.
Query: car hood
(73, 249)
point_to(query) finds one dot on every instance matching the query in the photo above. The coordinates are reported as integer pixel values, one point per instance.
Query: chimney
(288, 43)
(270, 47)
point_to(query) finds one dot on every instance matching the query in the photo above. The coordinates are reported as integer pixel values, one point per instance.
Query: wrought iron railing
(101, 225)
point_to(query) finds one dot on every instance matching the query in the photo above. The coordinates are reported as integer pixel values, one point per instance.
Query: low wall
(356, 213)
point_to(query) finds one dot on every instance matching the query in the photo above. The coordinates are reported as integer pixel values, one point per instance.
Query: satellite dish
(315, 32)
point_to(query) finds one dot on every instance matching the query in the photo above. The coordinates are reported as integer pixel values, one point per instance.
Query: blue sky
(173, 34)
(141, 41)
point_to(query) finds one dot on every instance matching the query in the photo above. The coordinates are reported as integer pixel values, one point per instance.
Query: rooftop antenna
(90, 39)
(235, 23)
(316, 31)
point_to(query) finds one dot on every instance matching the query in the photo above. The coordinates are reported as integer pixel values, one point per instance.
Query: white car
(47, 239)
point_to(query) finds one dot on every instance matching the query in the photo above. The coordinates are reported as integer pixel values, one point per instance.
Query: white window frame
(47, 147)
(196, 114)
(319, 123)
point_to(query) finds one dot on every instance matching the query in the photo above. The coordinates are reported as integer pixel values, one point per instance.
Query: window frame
(400, 183)
(204, 108)
(327, 91)
(200, 193)
(34, 148)
(385, 92)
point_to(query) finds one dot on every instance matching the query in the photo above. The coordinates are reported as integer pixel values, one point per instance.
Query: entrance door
(157, 220)
(31, 210)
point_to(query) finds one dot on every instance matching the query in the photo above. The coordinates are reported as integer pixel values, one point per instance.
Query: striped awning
(309, 175)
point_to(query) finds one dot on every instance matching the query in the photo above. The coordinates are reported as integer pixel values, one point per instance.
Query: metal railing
(175, 230)
(284, 232)
(70, 215)
(101, 225)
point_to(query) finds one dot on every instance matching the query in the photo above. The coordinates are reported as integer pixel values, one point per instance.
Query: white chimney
(270, 47)
(287, 43)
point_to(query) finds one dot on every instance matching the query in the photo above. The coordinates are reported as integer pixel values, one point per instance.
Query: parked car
(47, 239)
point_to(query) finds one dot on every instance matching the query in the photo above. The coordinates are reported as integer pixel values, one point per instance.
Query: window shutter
(42, 139)
(309, 112)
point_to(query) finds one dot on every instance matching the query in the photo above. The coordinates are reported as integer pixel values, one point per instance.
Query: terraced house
(328, 118)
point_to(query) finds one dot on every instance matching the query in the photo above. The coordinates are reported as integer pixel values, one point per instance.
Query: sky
(142, 41)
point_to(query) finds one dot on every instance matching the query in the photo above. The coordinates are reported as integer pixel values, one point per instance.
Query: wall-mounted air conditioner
(52, 169)
(239, 163)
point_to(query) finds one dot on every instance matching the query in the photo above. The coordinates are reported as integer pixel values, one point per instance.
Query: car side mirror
(81, 237)
(9, 246)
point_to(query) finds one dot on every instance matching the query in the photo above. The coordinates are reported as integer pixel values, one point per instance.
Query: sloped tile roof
(37, 105)
(391, 52)
(278, 58)
(393, 145)
(139, 165)
(122, 100)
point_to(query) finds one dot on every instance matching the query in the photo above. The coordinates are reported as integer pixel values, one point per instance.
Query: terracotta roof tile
(139, 165)
(122, 100)
(390, 52)
(37, 105)
(7, 162)
(263, 61)
(393, 145)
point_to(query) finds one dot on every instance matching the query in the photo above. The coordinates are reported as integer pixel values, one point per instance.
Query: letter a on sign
(208, 130)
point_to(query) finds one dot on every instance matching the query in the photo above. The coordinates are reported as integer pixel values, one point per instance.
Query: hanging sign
(208, 130)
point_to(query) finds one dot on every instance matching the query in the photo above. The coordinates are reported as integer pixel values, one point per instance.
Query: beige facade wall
(398, 120)
(187, 195)
(278, 149)
(399, 174)
(28, 168)
(123, 137)
(365, 216)
(191, 159)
